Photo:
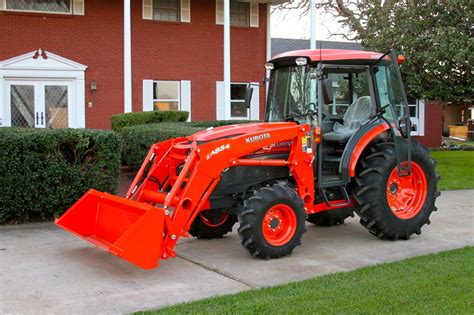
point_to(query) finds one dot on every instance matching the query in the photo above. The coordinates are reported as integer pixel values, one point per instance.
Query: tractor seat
(358, 114)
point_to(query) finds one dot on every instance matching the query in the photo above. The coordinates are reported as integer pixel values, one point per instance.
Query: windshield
(292, 90)
(389, 88)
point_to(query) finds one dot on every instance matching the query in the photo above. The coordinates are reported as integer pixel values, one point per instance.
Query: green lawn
(456, 169)
(434, 284)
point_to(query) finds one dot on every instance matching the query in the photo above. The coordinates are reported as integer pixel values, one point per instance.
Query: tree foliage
(436, 37)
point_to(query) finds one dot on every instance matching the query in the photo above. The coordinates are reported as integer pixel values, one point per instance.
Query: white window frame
(184, 11)
(223, 113)
(184, 95)
(36, 11)
(253, 14)
(168, 100)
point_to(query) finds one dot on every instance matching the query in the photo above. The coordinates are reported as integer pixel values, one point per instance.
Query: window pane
(158, 105)
(238, 109)
(56, 97)
(22, 105)
(240, 14)
(62, 6)
(166, 90)
(237, 91)
(166, 10)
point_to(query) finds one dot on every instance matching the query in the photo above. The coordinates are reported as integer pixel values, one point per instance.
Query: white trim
(3, 5)
(185, 15)
(147, 95)
(254, 113)
(186, 97)
(127, 57)
(220, 112)
(147, 9)
(220, 12)
(79, 7)
(254, 15)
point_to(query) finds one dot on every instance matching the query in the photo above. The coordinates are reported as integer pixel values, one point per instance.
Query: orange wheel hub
(213, 220)
(279, 225)
(407, 194)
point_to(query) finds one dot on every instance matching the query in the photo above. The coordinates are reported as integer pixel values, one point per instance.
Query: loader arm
(189, 170)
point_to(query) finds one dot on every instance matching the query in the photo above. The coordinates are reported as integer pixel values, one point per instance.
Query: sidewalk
(46, 270)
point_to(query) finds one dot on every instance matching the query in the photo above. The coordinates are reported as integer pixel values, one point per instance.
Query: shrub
(133, 119)
(136, 140)
(45, 171)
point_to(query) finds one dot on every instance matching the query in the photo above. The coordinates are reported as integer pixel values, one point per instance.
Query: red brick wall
(95, 40)
(433, 124)
(194, 51)
(160, 51)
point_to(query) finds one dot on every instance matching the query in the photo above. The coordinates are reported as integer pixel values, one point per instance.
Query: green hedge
(136, 140)
(43, 172)
(133, 119)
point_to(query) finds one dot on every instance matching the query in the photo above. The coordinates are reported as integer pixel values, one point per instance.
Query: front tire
(272, 222)
(393, 207)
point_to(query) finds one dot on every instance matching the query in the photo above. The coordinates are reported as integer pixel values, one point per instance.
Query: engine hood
(212, 134)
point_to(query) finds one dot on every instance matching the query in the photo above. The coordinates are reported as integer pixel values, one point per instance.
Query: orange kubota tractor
(336, 139)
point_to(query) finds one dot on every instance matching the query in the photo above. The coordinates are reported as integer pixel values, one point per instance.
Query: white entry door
(39, 104)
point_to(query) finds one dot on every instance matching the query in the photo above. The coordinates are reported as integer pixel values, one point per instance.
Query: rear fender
(358, 143)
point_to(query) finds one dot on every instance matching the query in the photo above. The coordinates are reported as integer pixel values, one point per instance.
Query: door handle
(42, 118)
(37, 118)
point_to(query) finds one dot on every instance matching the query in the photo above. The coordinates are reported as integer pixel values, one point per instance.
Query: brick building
(74, 63)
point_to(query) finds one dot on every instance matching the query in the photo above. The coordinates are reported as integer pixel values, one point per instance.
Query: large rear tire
(393, 207)
(272, 222)
(211, 224)
(331, 217)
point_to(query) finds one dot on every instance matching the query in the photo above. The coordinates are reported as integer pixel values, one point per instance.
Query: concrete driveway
(46, 270)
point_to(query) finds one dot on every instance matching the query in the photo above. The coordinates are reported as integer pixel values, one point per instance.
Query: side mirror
(327, 91)
(405, 126)
(248, 96)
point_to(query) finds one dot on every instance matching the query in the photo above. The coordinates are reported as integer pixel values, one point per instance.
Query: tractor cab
(343, 95)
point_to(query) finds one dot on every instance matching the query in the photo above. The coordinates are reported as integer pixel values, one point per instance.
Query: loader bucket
(128, 229)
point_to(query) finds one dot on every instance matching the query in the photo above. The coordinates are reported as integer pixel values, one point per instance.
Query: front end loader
(308, 161)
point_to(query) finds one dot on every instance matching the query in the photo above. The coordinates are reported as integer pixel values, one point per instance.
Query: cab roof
(335, 55)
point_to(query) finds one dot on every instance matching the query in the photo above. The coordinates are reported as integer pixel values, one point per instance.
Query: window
(240, 14)
(166, 95)
(238, 108)
(166, 10)
(52, 6)
(343, 85)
